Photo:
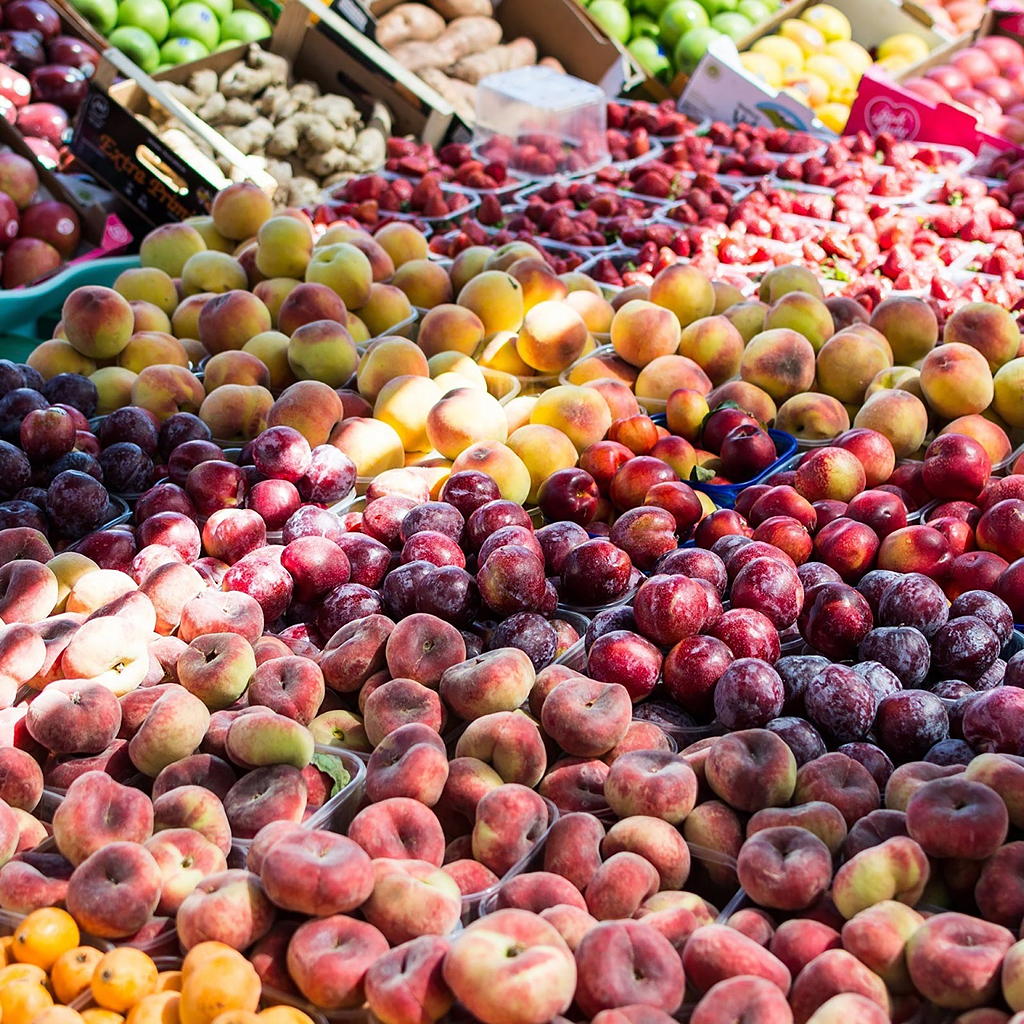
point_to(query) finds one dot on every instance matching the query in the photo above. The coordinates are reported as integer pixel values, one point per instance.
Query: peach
(499, 680)
(214, 612)
(596, 310)
(170, 587)
(877, 937)
(409, 762)
(803, 313)
(407, 983)
(749, 397)
(268, 794)
(509, 822)
(399, 828)
(897, 415)
(716, 826)
(509, 742)
(1003, 773)
(212, 271)
(751, 769)
(316, 873)
(1008, 385)
(202, 770)
(573, 848)
(470, 876)
(496, 298)
(666, 374)
(585, 717)
(74, 717)
(656, 783)
(190, 805)
(229, 320)
(239, 210)
(266, 738)
(800, 940)
(715, 345)
(627, 962)
(642, 331)
(543, 450)
(896, 869)
(538, 890)
(404, 403)
(165, 390)
(1012, 977)
(620, 886)
(716, 952)
(28, 591)
(601, 366)
(271, 349)
(21, 780)
(150, 317)
(149, 347)
(909, 325)
(412, 898)
(450, 328)
(830, 473)
(424, 282)
(580, 413)
(108, 651)
(98, 322)
(228, 907)
(328, 959)
(234, 367)
(780, 361)
(511, 958)
(50, 358)
(388, 358)
(818, 817)
(552, 336)
(185, 858)
(847, 364)
(463, 417)
(747, 318)
(933, 815)
(402, 242)
(501, 464)
(954, 960)
(539, 281)
(784, 867)
(372, 445)
(685, 291)
(569, 921)
(833, 973)
(311, 407)
(986, 327)
(148, 284)
(750, 999)
(114, 891)
(956, 380)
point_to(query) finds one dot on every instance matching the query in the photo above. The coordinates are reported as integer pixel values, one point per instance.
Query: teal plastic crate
(28, 315)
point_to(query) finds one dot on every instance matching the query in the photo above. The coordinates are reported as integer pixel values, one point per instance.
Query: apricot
(579, 413)
(497, 299)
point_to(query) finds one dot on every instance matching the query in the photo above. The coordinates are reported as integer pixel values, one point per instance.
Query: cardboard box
(561, 29)
(103, 233)
(721, 89)
(883, 104)
(162, 182)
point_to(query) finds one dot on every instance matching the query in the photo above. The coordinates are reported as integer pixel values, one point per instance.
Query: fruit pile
(470, 622)
(157, 35)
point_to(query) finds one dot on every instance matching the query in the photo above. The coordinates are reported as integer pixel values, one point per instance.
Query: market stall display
(571, 573)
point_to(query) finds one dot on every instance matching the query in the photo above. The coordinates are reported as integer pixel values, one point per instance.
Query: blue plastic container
(725, 495)
(27, 315)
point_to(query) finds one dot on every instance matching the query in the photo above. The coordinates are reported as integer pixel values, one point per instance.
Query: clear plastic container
(542, 122)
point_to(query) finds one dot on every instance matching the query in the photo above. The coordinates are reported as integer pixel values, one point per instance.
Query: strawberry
(489, 211)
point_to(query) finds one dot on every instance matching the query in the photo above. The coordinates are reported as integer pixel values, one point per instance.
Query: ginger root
(520, 53)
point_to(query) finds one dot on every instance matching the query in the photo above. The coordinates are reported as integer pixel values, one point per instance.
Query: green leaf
(332, 767)
(702, 474)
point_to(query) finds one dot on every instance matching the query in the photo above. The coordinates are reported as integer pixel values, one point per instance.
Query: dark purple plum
(874, 584)
(903, 650)
(914, 600)
(130, 423)
(840, 703)
(436, 516)
(800, 736)
(72, 389)
(556, 540)
(469, 490)
(179, 428)
(402, 586)
(748, 695)
(964, 648)
(127, 469)
(531, 633)
(450, 593)
(987, 607)
(910, 723)
(76, 503)
(950, 751)
(796, 671)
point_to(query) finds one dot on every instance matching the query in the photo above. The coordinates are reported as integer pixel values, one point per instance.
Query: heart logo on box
(883, 115)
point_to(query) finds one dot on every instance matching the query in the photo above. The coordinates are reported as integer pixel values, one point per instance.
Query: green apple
(244, 27)
(731, 24)
(652, 7)
(221, 8)
(181, 49)
(755, 11)
(198, 22)
(648, 55)
(693, 46)
(138, 45)
(714, 7)
(149, 15)
(680, 17)
(101, 14)
(612, 18)
(644, 26)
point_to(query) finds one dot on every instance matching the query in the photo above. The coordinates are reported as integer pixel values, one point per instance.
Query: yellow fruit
(122, 978)
(22, 1001)
(833, 116)
(764, 67)
(44, 935)
(73, 971)
(842, 84)
(852, 54)
(832, 24)
(786, 53)
(807, 37)
(22, 972)
(905, 45)
(97, 1015)
(808, 88)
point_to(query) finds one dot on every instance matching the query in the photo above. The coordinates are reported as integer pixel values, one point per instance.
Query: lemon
(786, 53)
(807, 37)
(832, 24)
(842, 83)
(905, 45)
(852, 54)
(833, 115)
